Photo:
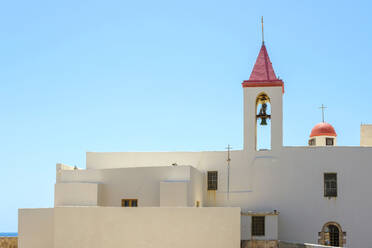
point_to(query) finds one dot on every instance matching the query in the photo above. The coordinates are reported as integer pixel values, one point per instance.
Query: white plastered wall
(110, 160)
(366, 135)
(173, 193)
(142, 183)
(36, 228)
(291, 181)
(76, 194)
(97, 227)
(89, 227)
(195, 188)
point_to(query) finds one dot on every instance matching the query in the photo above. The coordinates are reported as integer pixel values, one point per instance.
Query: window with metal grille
(212, 180)
(129, 202)
(330, 184)
(329, 141)
(334, 235)
(312, 142)
(258, 225)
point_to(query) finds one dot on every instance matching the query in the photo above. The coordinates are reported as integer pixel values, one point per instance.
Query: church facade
(254, 197)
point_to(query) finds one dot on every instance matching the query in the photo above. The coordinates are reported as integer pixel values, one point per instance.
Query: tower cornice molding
(263, 83)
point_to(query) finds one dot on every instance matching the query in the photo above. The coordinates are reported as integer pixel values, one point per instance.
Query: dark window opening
(129, 203)
(212, 180)
(330, 184)
(258, 225)
(312, 142)
(329, 141)
(334, 235)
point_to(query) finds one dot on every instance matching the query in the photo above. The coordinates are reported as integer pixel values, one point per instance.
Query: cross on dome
(322, 107)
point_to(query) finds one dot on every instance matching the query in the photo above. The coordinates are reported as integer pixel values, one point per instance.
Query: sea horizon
(8, 234)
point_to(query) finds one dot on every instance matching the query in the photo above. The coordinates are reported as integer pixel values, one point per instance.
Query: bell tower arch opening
(263, 122)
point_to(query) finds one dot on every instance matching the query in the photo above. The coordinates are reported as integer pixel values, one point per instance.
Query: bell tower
(263, 104)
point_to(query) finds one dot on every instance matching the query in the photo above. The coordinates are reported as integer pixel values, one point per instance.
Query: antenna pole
(228, 171)
(262, 24)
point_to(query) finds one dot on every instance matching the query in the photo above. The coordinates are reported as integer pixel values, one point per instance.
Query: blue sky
(81, 76)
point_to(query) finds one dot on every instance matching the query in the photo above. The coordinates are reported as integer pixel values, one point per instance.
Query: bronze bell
(263, 109)
(263, 115)
(263, 121)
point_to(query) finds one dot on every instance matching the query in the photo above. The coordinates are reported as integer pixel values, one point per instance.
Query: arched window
(332, 235)
(263, 122)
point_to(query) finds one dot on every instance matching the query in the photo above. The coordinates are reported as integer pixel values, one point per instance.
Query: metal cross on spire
(323, 107)
(263, 40)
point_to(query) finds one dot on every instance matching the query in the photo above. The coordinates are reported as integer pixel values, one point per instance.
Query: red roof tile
(323, 129)
(263, 69)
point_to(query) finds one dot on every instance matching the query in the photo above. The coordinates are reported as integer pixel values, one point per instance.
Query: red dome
(323, 129)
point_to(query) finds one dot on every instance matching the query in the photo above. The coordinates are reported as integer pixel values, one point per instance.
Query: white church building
(318, 194)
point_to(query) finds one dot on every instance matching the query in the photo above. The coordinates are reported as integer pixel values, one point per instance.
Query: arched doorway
(332, 235)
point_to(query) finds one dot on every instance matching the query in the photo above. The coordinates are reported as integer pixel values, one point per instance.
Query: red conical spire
(263, 74)
(263, 69)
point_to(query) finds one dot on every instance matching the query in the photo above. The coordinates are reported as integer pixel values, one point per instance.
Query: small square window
(330, 184)
(258, 225)
(212, 180)
(312, 142)
(329, 141)
(129, 203)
